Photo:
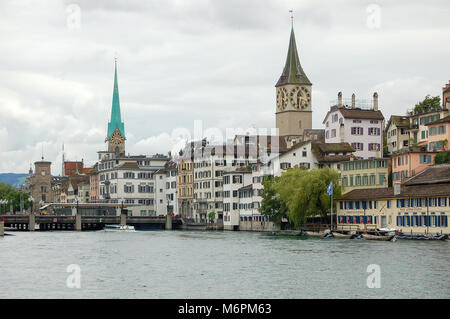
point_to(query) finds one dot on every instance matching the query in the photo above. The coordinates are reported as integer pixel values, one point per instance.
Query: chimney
(353, 101)
(397, 188)
(340, 99)
(375, 101)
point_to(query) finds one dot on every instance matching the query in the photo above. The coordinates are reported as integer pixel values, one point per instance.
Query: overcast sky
(215, 61)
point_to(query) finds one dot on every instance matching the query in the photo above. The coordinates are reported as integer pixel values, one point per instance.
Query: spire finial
(292, 17)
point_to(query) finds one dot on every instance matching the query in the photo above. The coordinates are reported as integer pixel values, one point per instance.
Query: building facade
(419, 206)
(361, 126)
(364, 174)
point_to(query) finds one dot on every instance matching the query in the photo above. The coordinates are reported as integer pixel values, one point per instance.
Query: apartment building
(419, 206)
(233, 180)
(364, 173)
(409, 162)
(397, 133)
(361, 125)
(439, 134)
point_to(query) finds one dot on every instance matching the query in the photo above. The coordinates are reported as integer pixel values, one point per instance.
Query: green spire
(293, 72)
(116, 121)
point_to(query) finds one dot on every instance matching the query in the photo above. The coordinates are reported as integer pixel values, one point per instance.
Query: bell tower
(293, 111)
(116, 128)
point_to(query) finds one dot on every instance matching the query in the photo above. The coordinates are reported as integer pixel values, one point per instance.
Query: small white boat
(119, 228)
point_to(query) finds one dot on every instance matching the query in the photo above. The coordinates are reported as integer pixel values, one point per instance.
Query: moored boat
(421, 237)
(341, 235)
(377, 237)
(119, 228)
(315, 234)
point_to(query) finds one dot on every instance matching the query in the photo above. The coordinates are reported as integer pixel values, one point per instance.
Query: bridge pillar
(123, 218)
(78, 222)
(31, 222)
(169, 221)
(2, 228)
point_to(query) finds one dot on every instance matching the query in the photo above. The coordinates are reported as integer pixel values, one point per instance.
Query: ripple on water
(158, 264)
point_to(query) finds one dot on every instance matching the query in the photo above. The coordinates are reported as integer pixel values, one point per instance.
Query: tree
(428, 104)
(211, 216)
(442, 158)
(12, 195)
(301, 193)
(271, 205)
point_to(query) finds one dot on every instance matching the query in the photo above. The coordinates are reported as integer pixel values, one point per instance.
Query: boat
(343, 236)
(119, 228)
(377, 237)
(421, 237)
(294, 233)
(314, 234)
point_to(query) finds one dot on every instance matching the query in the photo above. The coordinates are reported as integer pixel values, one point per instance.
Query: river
(178, 264)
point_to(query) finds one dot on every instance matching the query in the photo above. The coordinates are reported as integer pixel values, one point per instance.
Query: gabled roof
(399, 121)
(292, 72)
(322, 152)
(356, 113)
(129, 165)
(405, 191)
(435, 174)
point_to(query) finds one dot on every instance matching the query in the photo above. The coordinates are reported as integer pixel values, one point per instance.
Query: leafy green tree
(271, 205)
(302, 193)
(442, 158)
(12, 195)
(428, 104)
(211, 216)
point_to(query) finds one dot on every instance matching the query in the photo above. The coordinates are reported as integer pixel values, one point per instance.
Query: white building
(133, 180)
(359, 125)
(233, 180)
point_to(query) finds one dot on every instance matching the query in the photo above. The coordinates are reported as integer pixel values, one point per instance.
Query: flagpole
(332, 209)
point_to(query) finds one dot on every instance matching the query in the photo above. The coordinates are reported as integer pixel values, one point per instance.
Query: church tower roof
(293, 72)
(116, 121)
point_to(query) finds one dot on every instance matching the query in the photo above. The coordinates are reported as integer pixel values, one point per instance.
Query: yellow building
(421, 205)
(364, 173)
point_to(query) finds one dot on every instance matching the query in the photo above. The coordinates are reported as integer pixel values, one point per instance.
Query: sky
(213, 61)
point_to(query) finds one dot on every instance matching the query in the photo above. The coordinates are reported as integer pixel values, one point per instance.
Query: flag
(330, 189)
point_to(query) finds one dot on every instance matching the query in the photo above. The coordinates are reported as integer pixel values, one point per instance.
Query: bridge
(63, 216)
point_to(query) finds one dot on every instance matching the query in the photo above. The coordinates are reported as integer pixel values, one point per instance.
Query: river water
(177, 264)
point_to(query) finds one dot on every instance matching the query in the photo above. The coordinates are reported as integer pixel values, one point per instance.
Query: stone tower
(41, 182)
(293, 89)
(116, 128)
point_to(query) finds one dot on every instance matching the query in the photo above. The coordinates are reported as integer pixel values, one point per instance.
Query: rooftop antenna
(42, 152)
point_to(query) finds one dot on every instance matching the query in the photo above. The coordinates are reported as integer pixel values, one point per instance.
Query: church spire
(116, 121)
(293, 72)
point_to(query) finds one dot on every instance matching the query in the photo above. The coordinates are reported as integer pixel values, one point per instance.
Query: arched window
(300, 124)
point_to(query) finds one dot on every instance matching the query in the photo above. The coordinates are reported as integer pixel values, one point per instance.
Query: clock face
(282, 98)
(300, 98)
(43, 173)
(116, 137)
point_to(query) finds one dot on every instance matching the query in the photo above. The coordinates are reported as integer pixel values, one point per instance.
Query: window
(357, 146)
(357, 130)
(374, 131)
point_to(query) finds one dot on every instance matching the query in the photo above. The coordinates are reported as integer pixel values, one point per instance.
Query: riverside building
(421, 205)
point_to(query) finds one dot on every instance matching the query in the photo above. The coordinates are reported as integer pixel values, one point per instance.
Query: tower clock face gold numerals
(282, 99)
(116, 137)
(300, 98)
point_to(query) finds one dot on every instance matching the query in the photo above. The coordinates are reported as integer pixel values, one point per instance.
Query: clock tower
(116, 128)
(293, 112)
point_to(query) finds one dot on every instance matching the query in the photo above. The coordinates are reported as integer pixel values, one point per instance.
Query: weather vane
(292, 16)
